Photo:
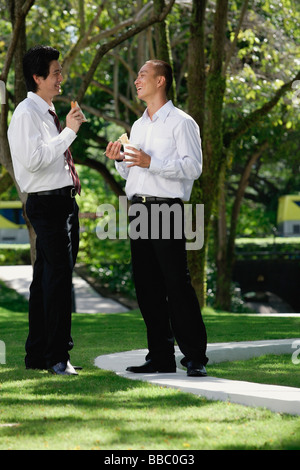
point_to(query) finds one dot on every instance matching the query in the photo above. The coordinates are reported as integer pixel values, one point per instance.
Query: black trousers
(165, 295)
(55, 221)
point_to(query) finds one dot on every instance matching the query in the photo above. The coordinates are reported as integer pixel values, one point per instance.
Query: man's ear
(161, 80)
(37, 79)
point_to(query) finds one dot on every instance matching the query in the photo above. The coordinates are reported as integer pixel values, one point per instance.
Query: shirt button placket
(142, 174)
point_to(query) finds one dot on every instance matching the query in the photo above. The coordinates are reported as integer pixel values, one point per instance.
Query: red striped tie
(68, 156)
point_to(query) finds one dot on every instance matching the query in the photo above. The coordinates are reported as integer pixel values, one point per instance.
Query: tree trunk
(223, 260)
(196, 106)
(162, 42)
(20, 91)
(6, 181)
(196, 64)
(226, 246)
(19, 35)
(205, 189)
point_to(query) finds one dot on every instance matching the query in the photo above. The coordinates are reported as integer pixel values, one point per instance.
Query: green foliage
(257, 219)
(271, 247)
(237, 301)
(12, 255)
(106, 260)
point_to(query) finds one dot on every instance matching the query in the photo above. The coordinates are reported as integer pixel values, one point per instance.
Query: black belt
(154, 199)
(68, 191)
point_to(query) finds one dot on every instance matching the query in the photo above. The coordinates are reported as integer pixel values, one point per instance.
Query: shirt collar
(40, 102)
(162, 113)
(165, 110)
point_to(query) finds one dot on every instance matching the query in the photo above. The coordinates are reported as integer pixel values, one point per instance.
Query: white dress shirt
(172, 139)
(37, 148)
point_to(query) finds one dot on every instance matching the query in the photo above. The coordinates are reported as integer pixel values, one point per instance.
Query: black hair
(164, 69)
(36, 61)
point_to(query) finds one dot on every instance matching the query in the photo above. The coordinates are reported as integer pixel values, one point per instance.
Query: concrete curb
(242, 350)
(273, 397)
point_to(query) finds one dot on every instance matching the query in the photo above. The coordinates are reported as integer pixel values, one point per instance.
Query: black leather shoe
(151, 367)
(195, 369)
(63, 368)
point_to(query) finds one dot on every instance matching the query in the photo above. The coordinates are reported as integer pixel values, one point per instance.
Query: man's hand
(113, 151)
(133, 158)
(74, 119)
(137, 158)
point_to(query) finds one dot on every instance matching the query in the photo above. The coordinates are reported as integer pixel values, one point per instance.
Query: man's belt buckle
(73, 192)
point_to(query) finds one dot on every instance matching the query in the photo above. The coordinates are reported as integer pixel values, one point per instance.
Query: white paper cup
(126, 149)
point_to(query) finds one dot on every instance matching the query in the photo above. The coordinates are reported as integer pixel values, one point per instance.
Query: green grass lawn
(100, 410)
(268, 369)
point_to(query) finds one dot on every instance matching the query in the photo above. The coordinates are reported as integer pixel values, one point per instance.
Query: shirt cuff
(68, 135)
(155, 165)
(119, 163)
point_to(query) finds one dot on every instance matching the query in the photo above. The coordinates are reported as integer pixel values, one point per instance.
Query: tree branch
(81, 43)
(102, 169)
(14, 39)
(114, 42)
(243, 183)
(258, 114)
(135, 108)
(86, 40)
(97, 112)
(234, 42)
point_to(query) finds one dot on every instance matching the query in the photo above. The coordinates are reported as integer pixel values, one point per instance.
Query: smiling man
(44, 169)
(160, 176)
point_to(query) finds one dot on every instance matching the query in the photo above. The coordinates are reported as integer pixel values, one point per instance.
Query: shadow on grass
(100, 409)
(117, 410)
(11, 300)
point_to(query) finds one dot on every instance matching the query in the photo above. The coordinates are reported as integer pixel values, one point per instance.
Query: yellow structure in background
(288, 215)
(12, 224)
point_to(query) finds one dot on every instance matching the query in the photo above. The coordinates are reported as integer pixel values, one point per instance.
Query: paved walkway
(87, 300)
(275, 398)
